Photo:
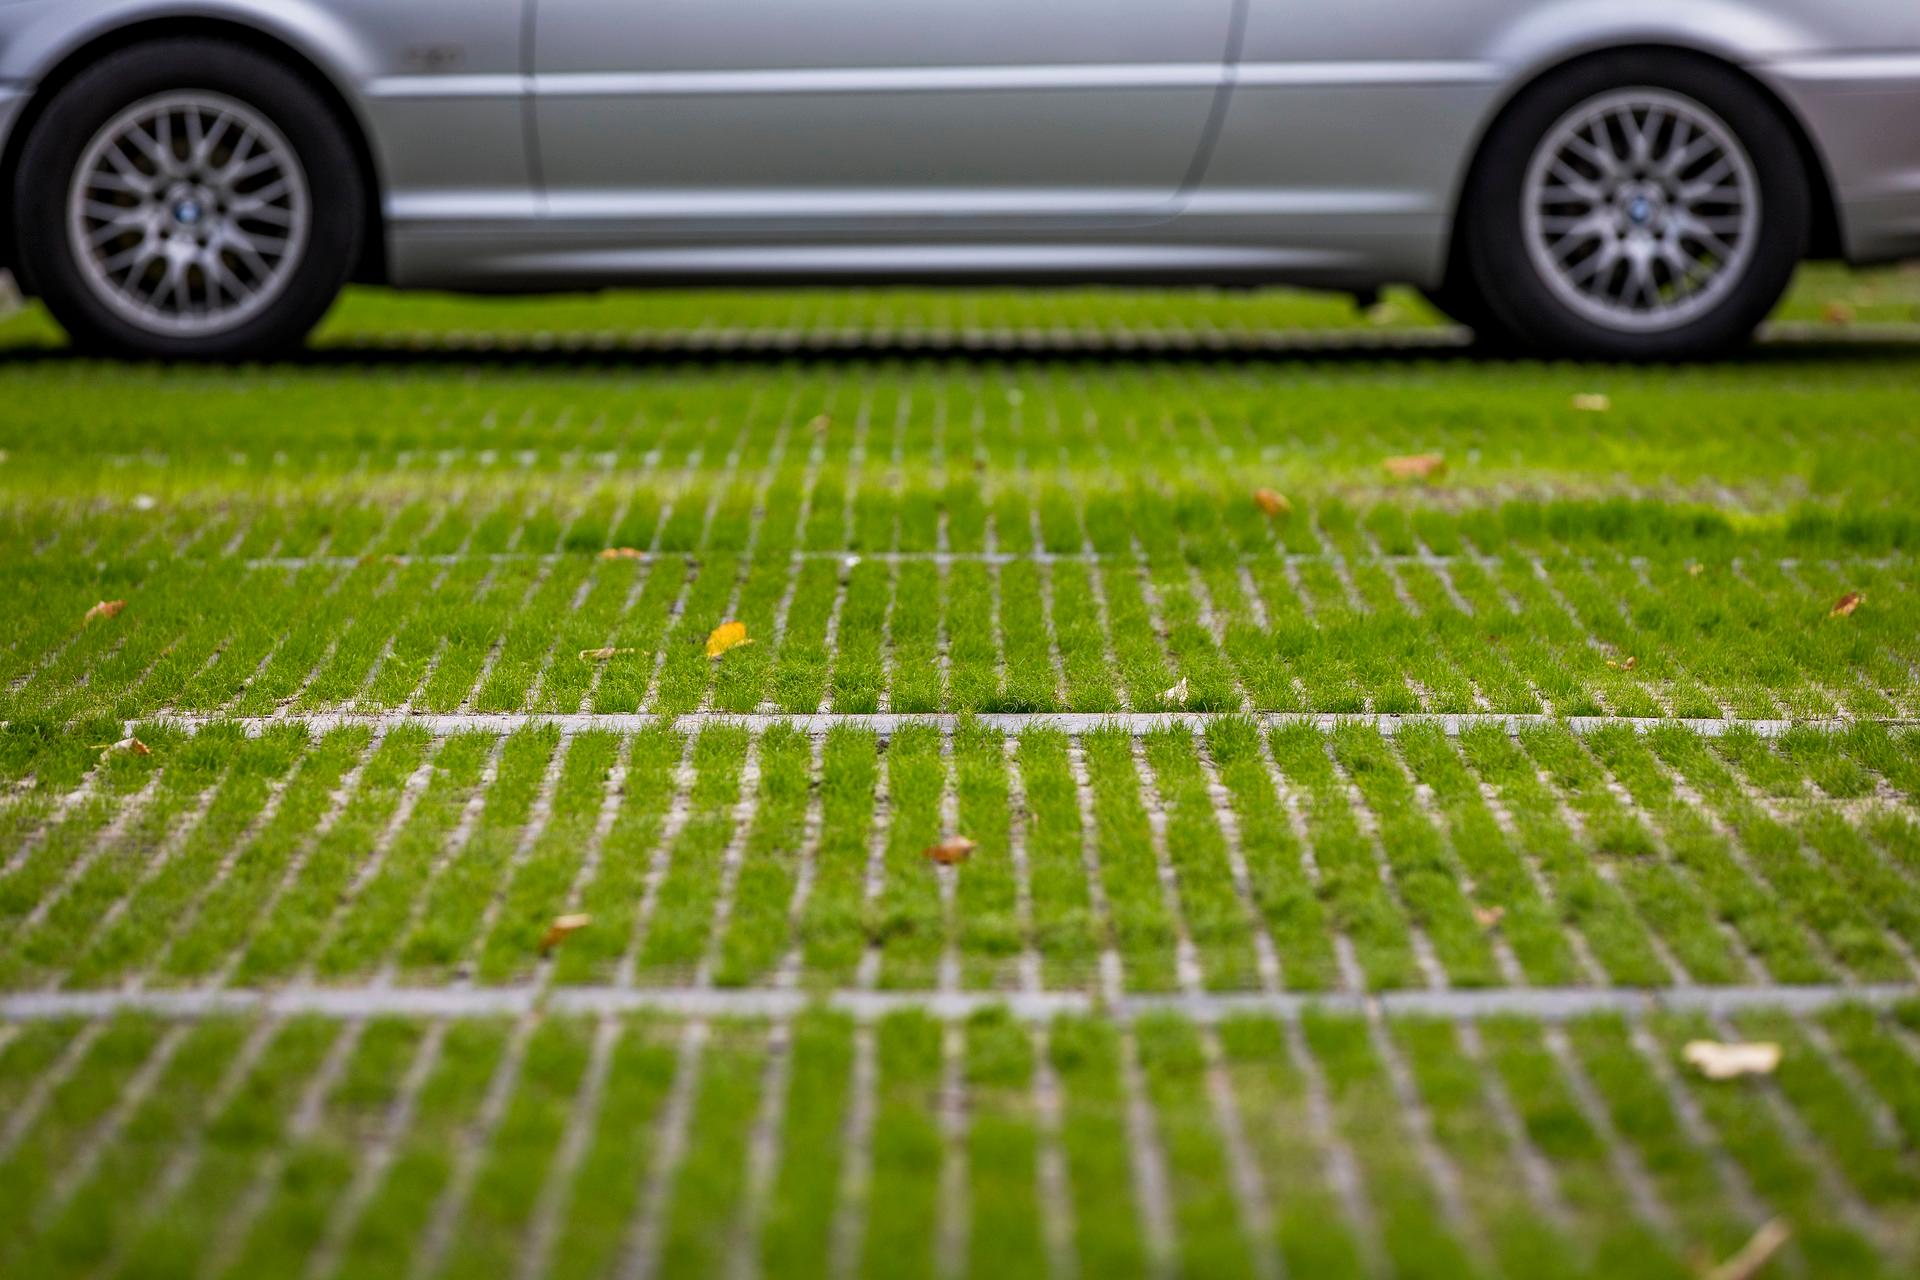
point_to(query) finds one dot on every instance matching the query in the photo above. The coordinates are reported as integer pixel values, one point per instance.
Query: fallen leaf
(1717, 1061)
(728, 635)
(601, 655)
(1592, 402)
(1488, 917)
(1755, 1253)
(1695, 569)
(105, 609)
(1628, 665)
(1416, 466)
(820, 425)
(1846, 604)
(394, 560)
(1274, 504)
(132, 745)
(1837, 313)
(1382, 313)
(1178, 694)
(623, 553)
(561, 929)
(952, 851)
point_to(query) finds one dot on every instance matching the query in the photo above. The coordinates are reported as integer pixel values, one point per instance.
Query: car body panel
(873, 113)
(1239, 140)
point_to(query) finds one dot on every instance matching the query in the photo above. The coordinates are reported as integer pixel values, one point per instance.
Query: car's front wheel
(1636, 206)
(188, 199)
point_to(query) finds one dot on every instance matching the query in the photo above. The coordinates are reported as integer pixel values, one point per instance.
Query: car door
(836, 114)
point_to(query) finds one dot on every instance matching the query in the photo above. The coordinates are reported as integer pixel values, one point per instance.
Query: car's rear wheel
(1636, 206)
(190, 199)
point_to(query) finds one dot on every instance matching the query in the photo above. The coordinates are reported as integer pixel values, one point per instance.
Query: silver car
(1614, 178)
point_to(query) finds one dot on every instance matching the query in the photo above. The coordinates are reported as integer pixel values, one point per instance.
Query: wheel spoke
(1600, 157)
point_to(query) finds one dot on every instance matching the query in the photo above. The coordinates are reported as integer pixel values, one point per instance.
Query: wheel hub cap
(1642, 210)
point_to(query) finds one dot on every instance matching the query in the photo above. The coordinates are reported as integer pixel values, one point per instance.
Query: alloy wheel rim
(188, 214)
(1641, 210)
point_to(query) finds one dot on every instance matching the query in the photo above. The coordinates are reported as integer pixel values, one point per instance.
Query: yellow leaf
(561, 929)
(601, 655)
(623, 553)
(954, 850)
(1628, 665)
(1837, 313)
(105, 609)
(1755, 1253)
(1718, 1061)
(1695, 569)
(1488, 917)
(1846, 604)
(1416, 466)
(1274, 504)
(820, 425)
(727, 636)
(1592, 402)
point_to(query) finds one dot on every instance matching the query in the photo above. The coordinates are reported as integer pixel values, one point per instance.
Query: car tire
(233, 248)
(1462, 302)
(1673, 249)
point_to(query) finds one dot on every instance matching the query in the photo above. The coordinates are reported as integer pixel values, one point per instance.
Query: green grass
(223, 1126)
(947, 531)
(1481, 861)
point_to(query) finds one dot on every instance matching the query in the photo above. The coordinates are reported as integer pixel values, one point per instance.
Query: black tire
(83, 107)
(1460, 301)
(1496, 256)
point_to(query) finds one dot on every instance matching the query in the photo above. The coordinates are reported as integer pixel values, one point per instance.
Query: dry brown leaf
(951, 851)
(727, 636)
(1837, 313)
(1846, 604)
(1592, 402)
(1718, 1061)
(105, 609)
(1178, 694)
(1628, 665)
(1755, 1253)
(623, 553)
(1416, 466)
(1489, 917)
(601, 655)
(561, 929)
(394, 560)
(1273, 503)
(133, 745)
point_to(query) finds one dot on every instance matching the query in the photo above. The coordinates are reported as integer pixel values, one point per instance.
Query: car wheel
(1637, 206)
(188, 199)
